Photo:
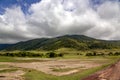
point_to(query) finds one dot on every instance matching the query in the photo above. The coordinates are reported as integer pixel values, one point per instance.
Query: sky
(22, 20)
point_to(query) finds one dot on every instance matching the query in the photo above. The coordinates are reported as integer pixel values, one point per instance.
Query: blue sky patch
(25, 4)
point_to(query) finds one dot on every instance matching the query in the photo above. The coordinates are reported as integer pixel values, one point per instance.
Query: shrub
(89, 54)
(117, 54)
(22, 54)
(94, 53)
(51, 55)
(100, 54)
(60, 55)
(110, 54)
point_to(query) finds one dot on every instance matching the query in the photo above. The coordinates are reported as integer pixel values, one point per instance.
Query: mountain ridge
(3, 46)
(79, 42)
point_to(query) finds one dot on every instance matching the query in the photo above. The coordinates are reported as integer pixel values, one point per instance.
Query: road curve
(110, 73)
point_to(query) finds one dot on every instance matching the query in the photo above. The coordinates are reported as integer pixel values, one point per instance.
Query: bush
(22, 54)
(110, 54)
(117, 54)
(51, 55)
(60, 55)
(94, 53)
(89, 54)
(30, 54)
(79, 54)
(100, 54)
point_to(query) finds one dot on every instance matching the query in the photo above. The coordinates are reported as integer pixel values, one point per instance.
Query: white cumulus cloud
(49, 18)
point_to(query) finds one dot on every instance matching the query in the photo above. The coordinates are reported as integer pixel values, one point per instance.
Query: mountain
(79, 42)
(4, 46)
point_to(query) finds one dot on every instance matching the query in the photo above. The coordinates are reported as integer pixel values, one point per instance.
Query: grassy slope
(79, 42)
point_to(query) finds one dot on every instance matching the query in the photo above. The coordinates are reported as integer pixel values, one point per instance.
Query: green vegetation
(61, 53)
(7, 59)
(103, 54)
(64, 69)
(21, 54)
(78, 42)
(19, 60)
(53, 55)
(8, 70)
(31, 54)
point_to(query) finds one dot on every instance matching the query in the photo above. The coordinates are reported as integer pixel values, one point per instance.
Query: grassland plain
(58, 65)
(76, 76)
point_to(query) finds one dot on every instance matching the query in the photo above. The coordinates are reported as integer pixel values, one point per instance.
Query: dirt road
(110, 73)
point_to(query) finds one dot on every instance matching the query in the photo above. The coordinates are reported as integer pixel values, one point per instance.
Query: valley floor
(52, 69)
(58, 67)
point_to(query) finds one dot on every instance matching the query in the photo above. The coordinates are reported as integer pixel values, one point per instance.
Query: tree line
(30, 54)
(103, 54)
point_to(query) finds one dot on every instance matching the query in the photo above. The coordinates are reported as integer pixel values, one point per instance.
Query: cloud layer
(49, 18)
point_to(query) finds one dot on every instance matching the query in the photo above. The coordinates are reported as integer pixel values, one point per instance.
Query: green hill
(79, 42)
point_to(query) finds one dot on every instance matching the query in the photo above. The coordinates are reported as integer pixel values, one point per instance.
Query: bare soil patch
(47, 66)
(16, 75)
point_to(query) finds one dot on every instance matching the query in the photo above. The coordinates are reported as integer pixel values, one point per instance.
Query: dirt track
(110, 73)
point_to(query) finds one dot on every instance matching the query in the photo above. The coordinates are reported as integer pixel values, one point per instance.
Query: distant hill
(4, 46)
(79, 42)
